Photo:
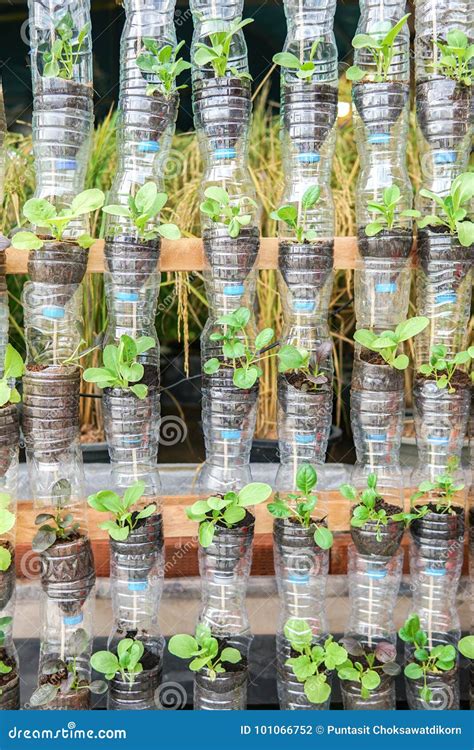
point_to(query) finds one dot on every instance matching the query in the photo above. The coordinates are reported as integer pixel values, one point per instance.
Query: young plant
(365, 511)
(427, 661)
(442, 369)
(64, 529)
(289, 214)
(226, 510)
(300, 505)
(414, 514)
(162, 63)
(13, 368)
(443, 489)
(63, 53)
(217, 52)
(7, 522)
(456, 56)
(120, 367)
(218, 207)
(4, 668)
(125, 518)
(305, 69)
(296, 359)
(386, 211)
(126, 662)
(387, 343)
(65, 675)
(240, 355)
(366, 670)
(381, 48)
(453, 209)
(42, 214)
(466, 646)
(314, 661)
(143, 208)
(204, 652)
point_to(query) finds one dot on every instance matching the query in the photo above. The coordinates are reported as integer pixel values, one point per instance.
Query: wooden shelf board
(181, 543)
(186, 254)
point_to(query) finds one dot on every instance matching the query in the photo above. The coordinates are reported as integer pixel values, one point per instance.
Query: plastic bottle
(442, 104)
(222, 111)
(63, 114)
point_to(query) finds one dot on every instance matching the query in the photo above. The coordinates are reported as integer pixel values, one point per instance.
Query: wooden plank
(181, 543)
(187, 255)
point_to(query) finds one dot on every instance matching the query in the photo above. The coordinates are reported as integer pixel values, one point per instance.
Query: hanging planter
(305, 679)
(220, 671)
(10, 673)
(381, 292)
(226, 529)
(367, 678)
(431, 671)
(63, 682)
(222, 107)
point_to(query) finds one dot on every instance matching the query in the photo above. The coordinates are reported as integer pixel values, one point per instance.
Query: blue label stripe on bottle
(230, 434)
(63, 165)
(234, 291)
(304, 439)
(437, 439)
(376, 437)
(446, 298)
(137, 585)
(386, 288)
(74, 619)
(445, 157)
(127, 296)
(54, 312)
(303, 305)
(132, 439)
(308, 157)
(437, 572)
(225, 153)
(150, 147)
(299, 580)
(379, 138)
(376, 573)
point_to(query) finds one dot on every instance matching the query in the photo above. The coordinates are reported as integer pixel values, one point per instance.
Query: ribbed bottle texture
(442, 104)
(3, 133)
(374, 582)
(380, 114)
(224, 568)
(136, 578)
(380, 699)
(444, 279)
(291, 695)
(227, 692)
(63, 114)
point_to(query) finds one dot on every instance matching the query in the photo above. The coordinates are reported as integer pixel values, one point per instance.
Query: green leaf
(26, 241)
(348, 491)
(413, 671)
(364, 337)
(465, 230)
(254, 494)
(426, 694)
(466, 646)
(87, 201)
(105, 662)
(169, 231)
(323, 537)
(286, 60)
(279, 509)
(373, 228)
(354, 73)
(411, 327)
(264, 338)
(133, 494)
(118, 533)
(5, 559)
(245, 378)
(306, 478)
(231, 655)
(147, 512)
(217, 194)
(298, 632)
(140, 390)
(234, 514)
(395, 30)
(316, 689)
(401, 362)
(206, 533)
(7, 520)
(370, 680)
(310, 197)
(289, 358)
(116, 210)
(211, 366)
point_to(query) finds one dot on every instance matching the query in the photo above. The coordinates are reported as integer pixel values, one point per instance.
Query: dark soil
(391, 534)
(438, 244)
(372, 358)
(248, 520)
(9, 662)
(231, 259)
(431, 98)
(439, 527)
(459, 381)
(389, 243)
(222, 108)
(299, 381)
(131, 261)
(309, 111)
(370, 97)
(62, 263)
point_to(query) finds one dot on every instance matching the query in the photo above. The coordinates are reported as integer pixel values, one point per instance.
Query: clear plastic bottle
(374, 582)
(377, 412)
(53, 322)
(224, 568)
(4, 310)
(444, 277)
(380, 115)
(291, 695)
(301, 569)
(10, 695)
(381, 292)
(136, 577)
(63, 114)
(381, 699)
(222, 111)
(442, 104)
